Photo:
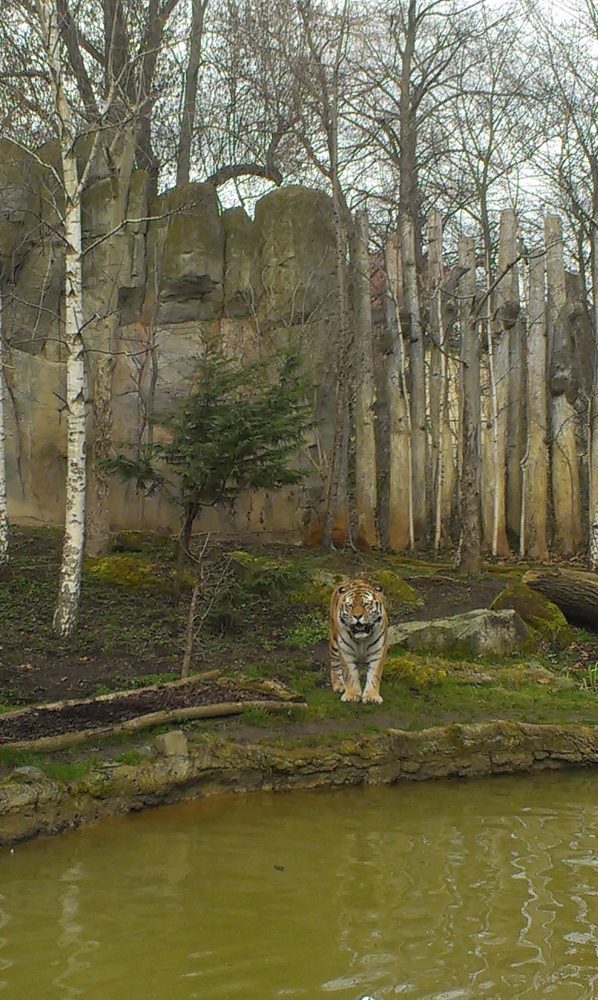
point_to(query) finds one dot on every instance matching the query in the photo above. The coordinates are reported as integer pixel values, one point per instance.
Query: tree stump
(575, 592)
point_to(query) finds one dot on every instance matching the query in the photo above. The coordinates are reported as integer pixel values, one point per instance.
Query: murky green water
(441, 890)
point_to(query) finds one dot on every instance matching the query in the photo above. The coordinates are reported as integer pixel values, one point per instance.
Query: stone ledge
(32, 803)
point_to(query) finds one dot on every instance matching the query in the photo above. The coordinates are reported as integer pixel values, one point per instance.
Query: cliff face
(186, 275)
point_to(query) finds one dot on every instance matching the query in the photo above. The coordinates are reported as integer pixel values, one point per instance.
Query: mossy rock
(318, 589)
(143, 541)
(132, 571)
(414, 673)
(397, 590)
(547, 621)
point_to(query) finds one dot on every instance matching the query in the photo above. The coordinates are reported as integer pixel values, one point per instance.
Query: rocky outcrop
(497, 633)
(180, 275)
(179, 767)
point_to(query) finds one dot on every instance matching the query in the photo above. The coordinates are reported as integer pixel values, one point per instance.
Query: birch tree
(65, 616)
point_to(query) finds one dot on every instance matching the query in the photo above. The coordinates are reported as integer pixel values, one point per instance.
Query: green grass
(307, 632)
(64, 771)
(255, 716)
(131, 757)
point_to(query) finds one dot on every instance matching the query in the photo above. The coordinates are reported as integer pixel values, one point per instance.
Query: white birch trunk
(366, 495)
(3, 495)
(565, 467)
(534, 530)
(65, 616)
(400, 498)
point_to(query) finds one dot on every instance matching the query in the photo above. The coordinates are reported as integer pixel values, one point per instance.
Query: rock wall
(187, 274)
(176, 768)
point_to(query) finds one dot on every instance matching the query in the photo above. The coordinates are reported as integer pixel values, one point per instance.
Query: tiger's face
(360, 608)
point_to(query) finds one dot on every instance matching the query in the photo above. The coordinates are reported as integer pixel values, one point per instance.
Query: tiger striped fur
(358, 635)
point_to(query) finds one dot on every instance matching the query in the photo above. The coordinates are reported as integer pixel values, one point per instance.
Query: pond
(444, 890)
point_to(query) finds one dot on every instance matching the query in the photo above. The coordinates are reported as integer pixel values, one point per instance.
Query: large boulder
(542, 616)
(496, 633)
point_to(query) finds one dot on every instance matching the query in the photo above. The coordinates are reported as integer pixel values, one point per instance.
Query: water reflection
(440, 891)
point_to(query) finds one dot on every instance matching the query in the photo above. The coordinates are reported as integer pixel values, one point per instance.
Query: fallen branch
(64, 740)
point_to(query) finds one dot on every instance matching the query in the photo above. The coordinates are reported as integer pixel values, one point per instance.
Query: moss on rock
(412, 671)
(547, 621)
(397, 590)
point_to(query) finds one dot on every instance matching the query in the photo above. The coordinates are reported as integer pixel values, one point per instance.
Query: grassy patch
(60, 770)
(307, 632)
(131, 757)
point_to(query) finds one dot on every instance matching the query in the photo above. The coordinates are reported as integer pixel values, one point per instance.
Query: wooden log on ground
(575, 592)
(62, 741)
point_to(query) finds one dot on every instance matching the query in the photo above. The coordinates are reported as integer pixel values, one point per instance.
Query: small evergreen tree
(239, 428)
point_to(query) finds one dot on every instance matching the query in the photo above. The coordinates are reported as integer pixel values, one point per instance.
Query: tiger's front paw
(351, 695)
(372, 697)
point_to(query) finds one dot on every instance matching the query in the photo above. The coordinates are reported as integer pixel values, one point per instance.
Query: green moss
(416, 674)
(547, 621)
(60, 770)
(397, 590)
(132, 571)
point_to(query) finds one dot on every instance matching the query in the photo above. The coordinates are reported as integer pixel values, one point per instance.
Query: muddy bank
(178, 766)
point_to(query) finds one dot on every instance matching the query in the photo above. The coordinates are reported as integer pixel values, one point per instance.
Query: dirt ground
(32, 723)
(126, 636)
(131, 637)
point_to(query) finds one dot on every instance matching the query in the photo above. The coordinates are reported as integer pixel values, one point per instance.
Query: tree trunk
(190, 631)
(575, 592)
(565, 469)
(508, 309)
(365, 439)
(442, 461)
(499, 361)
(191, 512)
(65, 615)
(336, 521)
(198, 10)
(417, 374)
(111, 258)
(593, 457)
(400, 485)
(3, 496)
(534, 529)
(470, 557)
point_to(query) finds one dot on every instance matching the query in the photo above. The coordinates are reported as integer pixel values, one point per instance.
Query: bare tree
(3, 496)
(469, 558)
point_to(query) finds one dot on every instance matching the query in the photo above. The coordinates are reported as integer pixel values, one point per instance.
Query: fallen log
(62, 741)
(574, 591)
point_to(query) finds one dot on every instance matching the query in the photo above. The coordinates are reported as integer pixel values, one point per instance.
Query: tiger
(358, 634)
